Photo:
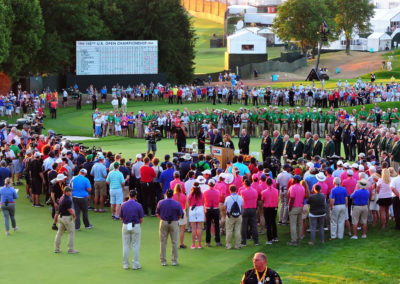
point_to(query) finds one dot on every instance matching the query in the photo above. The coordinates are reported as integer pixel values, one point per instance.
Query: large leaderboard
(116, 57)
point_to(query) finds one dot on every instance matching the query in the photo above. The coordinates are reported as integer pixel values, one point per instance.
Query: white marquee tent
(246, 42)
(379, 41)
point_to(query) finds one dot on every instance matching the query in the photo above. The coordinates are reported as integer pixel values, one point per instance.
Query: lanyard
(260, 280)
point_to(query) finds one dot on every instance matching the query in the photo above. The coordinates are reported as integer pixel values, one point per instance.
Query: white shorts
(197, 214)
(117, 127)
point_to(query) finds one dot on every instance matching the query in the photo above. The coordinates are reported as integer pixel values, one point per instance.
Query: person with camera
(169, 212)
(151, 139)
(8, 195)
(131, 217)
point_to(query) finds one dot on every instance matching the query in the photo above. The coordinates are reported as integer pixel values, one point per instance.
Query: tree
(163, 20)
(26, 29)
(6, 18)
(300, 21)
(67, 22)
(353, 15)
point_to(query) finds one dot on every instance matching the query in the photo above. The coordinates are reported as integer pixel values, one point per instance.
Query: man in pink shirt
(250, 196)
(211, 203)
(270, 199)
(259, 187)
(223, 189)
(350, 185)
(296, 193)
(176, 180)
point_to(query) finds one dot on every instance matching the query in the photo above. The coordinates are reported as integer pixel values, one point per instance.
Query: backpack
(235, 209)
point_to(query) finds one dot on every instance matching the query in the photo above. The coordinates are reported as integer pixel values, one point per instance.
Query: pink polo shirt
(211, 198)
(175, 182)
(329, 183)
(324, 188)
(249, 196)
(196, 201)
(297, 192)
(350, 185)
(258, 187)
(182, 199)
(270, 196)
(238, 182)
(223, 189)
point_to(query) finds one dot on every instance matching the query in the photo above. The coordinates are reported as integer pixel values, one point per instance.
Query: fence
(207, 9)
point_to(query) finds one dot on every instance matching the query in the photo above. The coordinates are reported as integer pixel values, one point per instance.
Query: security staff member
(132, 217)
(66, 222)
(261, 274)
(169, 211)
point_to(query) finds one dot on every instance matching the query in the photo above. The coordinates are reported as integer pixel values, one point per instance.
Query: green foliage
(26, 30)
(353, 15)
(300, 20)
(5, 35)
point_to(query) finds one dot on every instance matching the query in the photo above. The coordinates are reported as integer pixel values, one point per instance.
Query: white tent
(379, 41)
(265, 19)
(241, 9)
(246, 42)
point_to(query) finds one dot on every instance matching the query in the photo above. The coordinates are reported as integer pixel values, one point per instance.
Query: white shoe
(354, 237)
(364, 236)
(268, 243)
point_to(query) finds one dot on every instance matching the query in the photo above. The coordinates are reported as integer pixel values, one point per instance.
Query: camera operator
(151, 139)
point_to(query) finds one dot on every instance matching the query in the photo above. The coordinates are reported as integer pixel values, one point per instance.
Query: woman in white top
(384, 197)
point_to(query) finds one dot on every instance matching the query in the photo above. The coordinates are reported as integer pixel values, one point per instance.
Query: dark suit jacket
(266, 146)
(277, 146)
(329, 149)
(244, 144)
(308, 148)
(289, 149)
(337, 134)
(298, 150)
(317, 149)
(346, 135)
(217, 141)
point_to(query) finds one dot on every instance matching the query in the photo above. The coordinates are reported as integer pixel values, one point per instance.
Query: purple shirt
(131, 212)
(169, 210)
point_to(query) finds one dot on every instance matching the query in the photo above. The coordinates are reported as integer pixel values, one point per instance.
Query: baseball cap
(139, 156)
(84, 171)
(67, 188)
(116, 165)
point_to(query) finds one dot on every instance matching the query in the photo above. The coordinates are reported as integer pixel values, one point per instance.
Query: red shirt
(211, 198)
(249, 196)
(147, 174)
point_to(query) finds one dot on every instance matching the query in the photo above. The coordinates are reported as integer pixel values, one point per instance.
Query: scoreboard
(116, 57)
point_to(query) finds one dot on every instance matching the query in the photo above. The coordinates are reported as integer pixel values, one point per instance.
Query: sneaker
(102, 210)
(174, 263)
(364, 236)
(96, 210)
(182, 246)
(7, 233)
(199, 246)
(16, 228)
(256, 244)
(268, 242)
(116, 218)
(243, 245)
(163, 263)
(39, 205)
(218, 245)
(275, 240)
(57, 251)
(76, 230)
(90, 208)
(354, 237)
(193, 247)
(89, 227)
(136, 267)
(74, 251)
(126, 267)
(294, 244)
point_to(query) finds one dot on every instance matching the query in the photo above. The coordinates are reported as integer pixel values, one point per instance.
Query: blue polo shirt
(360, 197)
(99, 172)
(169, 210)
(131, 212)
(165, 178)
(243, 169)
(80, 185)
(339, 193)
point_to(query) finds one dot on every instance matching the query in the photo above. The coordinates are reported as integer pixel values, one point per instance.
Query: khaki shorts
(183, 220)
(304, 213)
(359, 214)
(100, 188)
(125, 191)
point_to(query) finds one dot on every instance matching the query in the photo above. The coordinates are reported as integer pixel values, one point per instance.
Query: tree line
(300, 20)
(38, 36)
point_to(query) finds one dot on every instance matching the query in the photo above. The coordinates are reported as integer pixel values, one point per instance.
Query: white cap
(60, 177)
(350, 172)
(346, 165)
(206, 172)
(361, 168)
(355, 166)
(339, 163)
(138, 156)
(361, 155)
(37, 154)
(83, 171)
(310, 165)
(201, 180)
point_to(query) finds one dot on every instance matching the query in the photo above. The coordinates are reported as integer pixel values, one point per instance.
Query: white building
(263, 19)
(246, 42)
(379, 42)
(385, 4)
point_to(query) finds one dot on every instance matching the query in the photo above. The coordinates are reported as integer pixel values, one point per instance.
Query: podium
(223, 155)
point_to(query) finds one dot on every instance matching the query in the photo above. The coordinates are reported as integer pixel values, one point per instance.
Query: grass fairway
(28, 254)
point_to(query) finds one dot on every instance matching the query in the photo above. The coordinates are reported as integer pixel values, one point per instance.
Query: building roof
(379, 35)
(382, 18)
(245, 33)
(259, 18)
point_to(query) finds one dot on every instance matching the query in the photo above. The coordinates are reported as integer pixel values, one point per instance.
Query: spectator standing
(80, 191)
(234, 207)
(249, 196)
(115, 180)
(179, 195)
(297, 193)
(360, 208)
(8, 195)
(384, 197)
(211, 203)
(270, 198)
(338, 199)
(99, 173)
(196, 214)
(132, 217)
(317, 214)
(147, 176)
(169, 212)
